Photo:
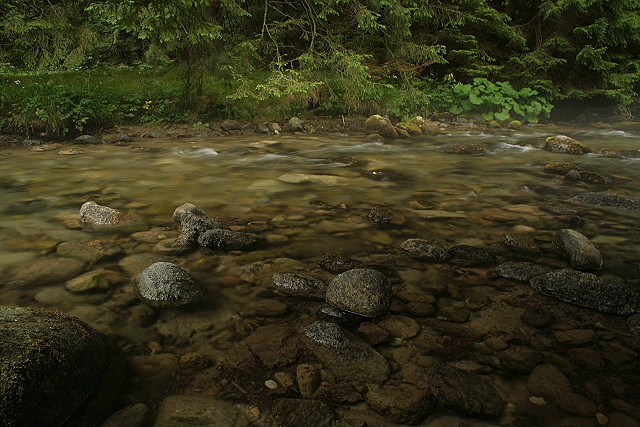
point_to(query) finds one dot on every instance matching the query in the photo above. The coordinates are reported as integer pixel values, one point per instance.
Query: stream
(308, 196)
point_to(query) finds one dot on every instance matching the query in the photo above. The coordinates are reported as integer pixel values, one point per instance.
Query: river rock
(87, 140)
(193, 221)
(521, 271)
(340, 317)
(401, 404)
(466, 149)
(549, 382)
(91, 252)
(295, 124)
(588, 290)
(363, 291)
(274, 345)
(537, 317)
(131, 416)
(302, 412)
(580, 252)
(53, 365)
(99, 216)
(470, 256)
(298, 178)
(607, 200)
(425, 249)
(336, 264)
(464, 391)
(565, 144)
(346, 359)
(300, 284)
(93, 281)
(227, 240)
(47, 271)
(165, 284)
(561, 168)
(199, 410)
(380, 125)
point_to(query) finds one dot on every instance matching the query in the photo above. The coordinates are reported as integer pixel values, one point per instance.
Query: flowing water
(308, 195)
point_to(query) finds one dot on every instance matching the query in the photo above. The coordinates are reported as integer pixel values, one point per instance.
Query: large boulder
(164, 284)
(588, 290)
(99, 216)
(363, 291)
(566, 145)
(54, 370)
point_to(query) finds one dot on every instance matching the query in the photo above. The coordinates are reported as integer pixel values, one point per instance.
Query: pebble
(308, 379)
(580, 252)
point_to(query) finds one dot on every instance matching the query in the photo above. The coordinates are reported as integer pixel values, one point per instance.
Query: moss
(413, 128)
(515, 124)
(561, 168)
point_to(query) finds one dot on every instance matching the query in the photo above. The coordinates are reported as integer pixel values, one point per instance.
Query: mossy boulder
(565, 145)
(561, 168)
(412, 128)
(54, 370)
(380, 125)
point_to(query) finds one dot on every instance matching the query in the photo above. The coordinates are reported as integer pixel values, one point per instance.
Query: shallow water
(243, 181)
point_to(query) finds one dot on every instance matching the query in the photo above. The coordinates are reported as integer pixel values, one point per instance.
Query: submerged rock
(466, 149)
(607, 200)
(464, 391)
(300, 284)
(566, 145)
(52, 367)
(227, 239)
(521, 271)
(401, 404)
(468, 255)
(100, 216)
(336, 264)
(588, 290)
(580, 252)
(165, 284)
(346, 359)
(363, 291)
(425, 249)
(196, 410)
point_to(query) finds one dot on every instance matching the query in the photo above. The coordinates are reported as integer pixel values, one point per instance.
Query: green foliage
(499, 101)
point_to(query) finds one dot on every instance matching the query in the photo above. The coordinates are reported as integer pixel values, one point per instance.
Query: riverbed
(311, 195)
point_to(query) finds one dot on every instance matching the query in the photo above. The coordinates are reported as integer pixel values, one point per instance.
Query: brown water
(243, 181)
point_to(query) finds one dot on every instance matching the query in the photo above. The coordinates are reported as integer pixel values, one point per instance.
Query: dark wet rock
(383, 174)
(346, 359)
(549, 382)
(55, 370)
(379, 215)
(295, 124)
(588, 290)
(401, 404)
(362, 291)
(578, 249)
(516, 359)
(47, 271)
(91, 252)
(419, 309)
(373, 334)
(116, 138)
(164, 284)
(227, 239)
(199, 410)
(274, 345)
(412, 128)
(380, 125)
(634, 325)
(337, 264)
(425, 249)
(521, 242)
(230, 125)
(302, 412)
(342, 393)
(607, 200)
(566, 145)
(265, 307)
(466, 149)
(537, 317)
(300, 284)
(87, 140)
(99, 216)
(374, 137)
(575, 336)
(521, 271)
(464, 392)
(175, 246)
(341, 317)
(193, 221)
(470, 256)
(402, 133)
(591, 177)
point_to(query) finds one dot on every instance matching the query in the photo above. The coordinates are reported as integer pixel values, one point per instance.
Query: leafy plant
(499, 101)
